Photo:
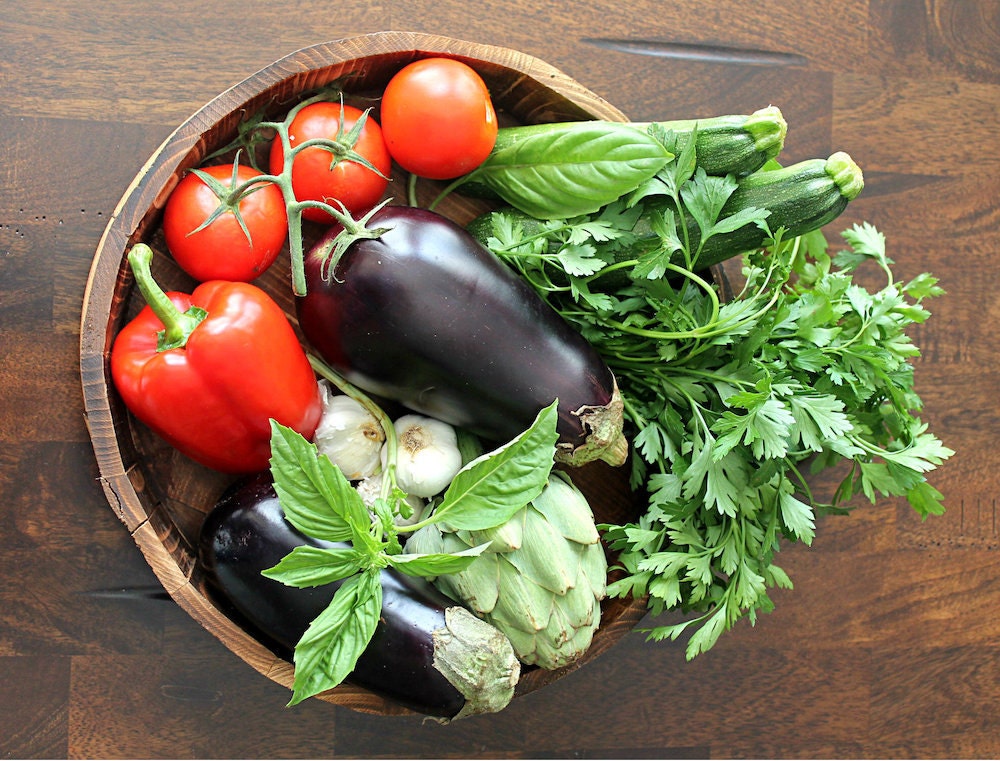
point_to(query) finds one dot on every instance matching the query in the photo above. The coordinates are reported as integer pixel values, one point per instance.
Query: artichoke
(541, 580)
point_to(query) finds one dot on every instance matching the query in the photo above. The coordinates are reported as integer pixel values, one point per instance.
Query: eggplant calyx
(478, 659)
(605, 439)
(333, 249)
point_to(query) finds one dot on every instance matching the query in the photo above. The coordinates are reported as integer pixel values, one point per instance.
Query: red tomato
(438, 118)
(221, 251)
(354, 185)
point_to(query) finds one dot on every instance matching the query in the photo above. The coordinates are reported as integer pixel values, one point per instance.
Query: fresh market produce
(219, 225)
(349, 435)
(729, 404)
(339, 159)
(209, 371)
(427, 455)
(338, 155)
(797, 199)
(438, 118)
(736, 144)
(585, 319)
(425, 315)
(558, 170)
(318, 501)
(540, 581)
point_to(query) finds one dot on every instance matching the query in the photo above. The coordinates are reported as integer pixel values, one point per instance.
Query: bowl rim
(109, 282)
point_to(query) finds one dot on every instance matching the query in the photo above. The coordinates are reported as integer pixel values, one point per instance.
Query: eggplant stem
(353, 231)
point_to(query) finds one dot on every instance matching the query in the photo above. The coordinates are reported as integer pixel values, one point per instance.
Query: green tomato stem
(353, 229)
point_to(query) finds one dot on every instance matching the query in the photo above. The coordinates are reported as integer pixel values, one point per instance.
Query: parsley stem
(622, 265)
(545, 234)
(453, 185)
(716, 377)
(545, 285)
(659, 335)
(800, 479)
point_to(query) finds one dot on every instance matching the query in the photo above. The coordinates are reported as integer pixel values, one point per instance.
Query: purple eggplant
(419, 629)
(426, 316)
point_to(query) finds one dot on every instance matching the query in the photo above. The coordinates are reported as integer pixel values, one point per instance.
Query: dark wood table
(889, 646)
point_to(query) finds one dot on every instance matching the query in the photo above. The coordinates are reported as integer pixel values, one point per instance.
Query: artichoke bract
(542, 579)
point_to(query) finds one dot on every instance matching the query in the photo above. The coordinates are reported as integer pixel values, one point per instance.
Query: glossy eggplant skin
(246, 532)
(427, 316)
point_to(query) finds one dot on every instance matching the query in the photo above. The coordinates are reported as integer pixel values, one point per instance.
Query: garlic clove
(350, 436)
(427, 457)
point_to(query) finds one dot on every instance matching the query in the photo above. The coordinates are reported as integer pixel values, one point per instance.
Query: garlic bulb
(350, 436)
(428, 456)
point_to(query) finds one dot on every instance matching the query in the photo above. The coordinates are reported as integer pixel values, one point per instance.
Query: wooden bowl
(161, 496)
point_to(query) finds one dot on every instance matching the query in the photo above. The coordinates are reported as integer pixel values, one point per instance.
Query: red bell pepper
(208, 371)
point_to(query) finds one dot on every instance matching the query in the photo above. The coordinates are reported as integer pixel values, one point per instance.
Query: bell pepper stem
(177, 325)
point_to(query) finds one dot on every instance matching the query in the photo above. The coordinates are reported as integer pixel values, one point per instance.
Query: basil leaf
(315, 495)
(573, 168)
(435, 564)
(329, 649)
(307, 566)
(490, 489)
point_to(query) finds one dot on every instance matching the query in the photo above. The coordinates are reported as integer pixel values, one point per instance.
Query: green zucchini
(736, 144)
(800, 198)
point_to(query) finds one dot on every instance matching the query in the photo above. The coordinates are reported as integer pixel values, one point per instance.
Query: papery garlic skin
(350, 436)
(370, 488)
(428, 456)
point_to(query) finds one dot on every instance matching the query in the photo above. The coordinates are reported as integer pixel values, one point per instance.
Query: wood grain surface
(889, 645)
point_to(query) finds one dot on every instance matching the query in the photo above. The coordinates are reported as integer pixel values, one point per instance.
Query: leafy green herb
(732, 403)
(328, 650)
(319, 501)
(591, 163)
(501, 482)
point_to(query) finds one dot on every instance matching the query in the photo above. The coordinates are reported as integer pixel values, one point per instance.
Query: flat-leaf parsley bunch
(731, 403)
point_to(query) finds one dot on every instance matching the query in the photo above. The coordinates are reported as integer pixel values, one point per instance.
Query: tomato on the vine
(438, 118)
(335, 177)
(219, 247)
